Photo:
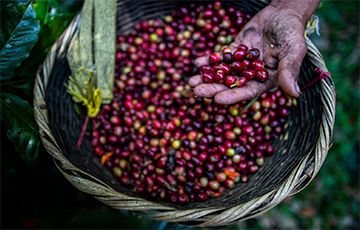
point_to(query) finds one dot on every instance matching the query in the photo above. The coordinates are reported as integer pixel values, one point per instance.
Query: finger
(248, 40)
(271, 54)
(251, 90)
(270, 61)
(289, 66)
(209, 89)
(195, 80)
(200, 61)
(249, 36)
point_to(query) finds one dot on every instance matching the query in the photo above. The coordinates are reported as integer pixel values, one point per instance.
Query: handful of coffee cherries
(234, 69)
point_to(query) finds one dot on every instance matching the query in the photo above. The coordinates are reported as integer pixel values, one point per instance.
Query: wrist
(304, 9)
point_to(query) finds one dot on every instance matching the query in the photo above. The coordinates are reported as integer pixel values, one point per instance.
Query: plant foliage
(19, 33)
(28, 30)
(18, 116)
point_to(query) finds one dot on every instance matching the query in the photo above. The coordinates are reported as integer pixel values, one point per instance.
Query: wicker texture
(300, 151)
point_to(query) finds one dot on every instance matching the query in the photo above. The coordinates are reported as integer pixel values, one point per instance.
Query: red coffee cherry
(239, 54)
(257, 65)
(249, 73)
(241, 81)
(230, 80)
(262, 75)
(253, 54)
(208, 76)
(214, 57)
(219, 76)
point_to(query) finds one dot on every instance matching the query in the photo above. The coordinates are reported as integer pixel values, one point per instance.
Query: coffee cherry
(183, 199)
(199, 171)
(239, 54)
(260, 161)
(208, 13)
(230, 80)
(204, 182)
(214, 57)
(244, 178)
(227, 58)
(230, 135)
(229, 183)
(117, 172)
(255, 106)
(266, 102)
(253, 168)
(249, 74)
(282, 111)
(221, 177)
(99, 151)
(219, 76)
(208, 76)
(236, 66)
(206, 67)
(253, 54)
(202, 196)
(176, 144)
(214, 185)
(257, 65)
(230, 152)
(226, 50)
(241, 81)
(262, 75)
(246, 63)
(225, 67)
(269, 150)
(242, 46)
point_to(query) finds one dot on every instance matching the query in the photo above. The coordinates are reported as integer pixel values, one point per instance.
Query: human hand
(278, 32)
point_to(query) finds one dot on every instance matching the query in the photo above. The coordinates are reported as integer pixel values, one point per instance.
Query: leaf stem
(248, 105)
(82, 132)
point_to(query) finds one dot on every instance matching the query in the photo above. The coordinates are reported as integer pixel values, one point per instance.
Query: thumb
(289, 66)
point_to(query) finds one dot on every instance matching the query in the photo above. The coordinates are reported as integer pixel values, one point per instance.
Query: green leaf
(7, 2)
(53, 28)
(18, 115)
(53, 22)
(49, 33)
(70, 6)
(10, 17)
(23, 86)
(22, 38)
(45, 9)
(6, 76)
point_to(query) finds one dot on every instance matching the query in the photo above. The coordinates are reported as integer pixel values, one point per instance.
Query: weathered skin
(282, 24)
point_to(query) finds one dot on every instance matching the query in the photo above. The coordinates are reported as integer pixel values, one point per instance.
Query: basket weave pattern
(300, 151)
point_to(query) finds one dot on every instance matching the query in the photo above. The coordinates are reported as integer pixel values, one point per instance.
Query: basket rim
(206, 216)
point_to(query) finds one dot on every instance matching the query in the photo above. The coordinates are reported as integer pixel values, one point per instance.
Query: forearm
(305, 8)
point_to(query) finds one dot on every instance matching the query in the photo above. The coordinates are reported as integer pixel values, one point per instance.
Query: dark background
(38, 196)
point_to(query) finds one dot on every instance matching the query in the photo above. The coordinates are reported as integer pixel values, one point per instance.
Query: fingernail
(273, 89)
(297, 88)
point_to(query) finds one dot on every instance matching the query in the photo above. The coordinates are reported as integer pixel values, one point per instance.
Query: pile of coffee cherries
(234, 69)
(158, 138)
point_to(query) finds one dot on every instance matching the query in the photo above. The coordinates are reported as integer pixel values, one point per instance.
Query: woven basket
(299, 152)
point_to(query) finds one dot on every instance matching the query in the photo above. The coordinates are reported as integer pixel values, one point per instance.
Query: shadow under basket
(299, 152)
